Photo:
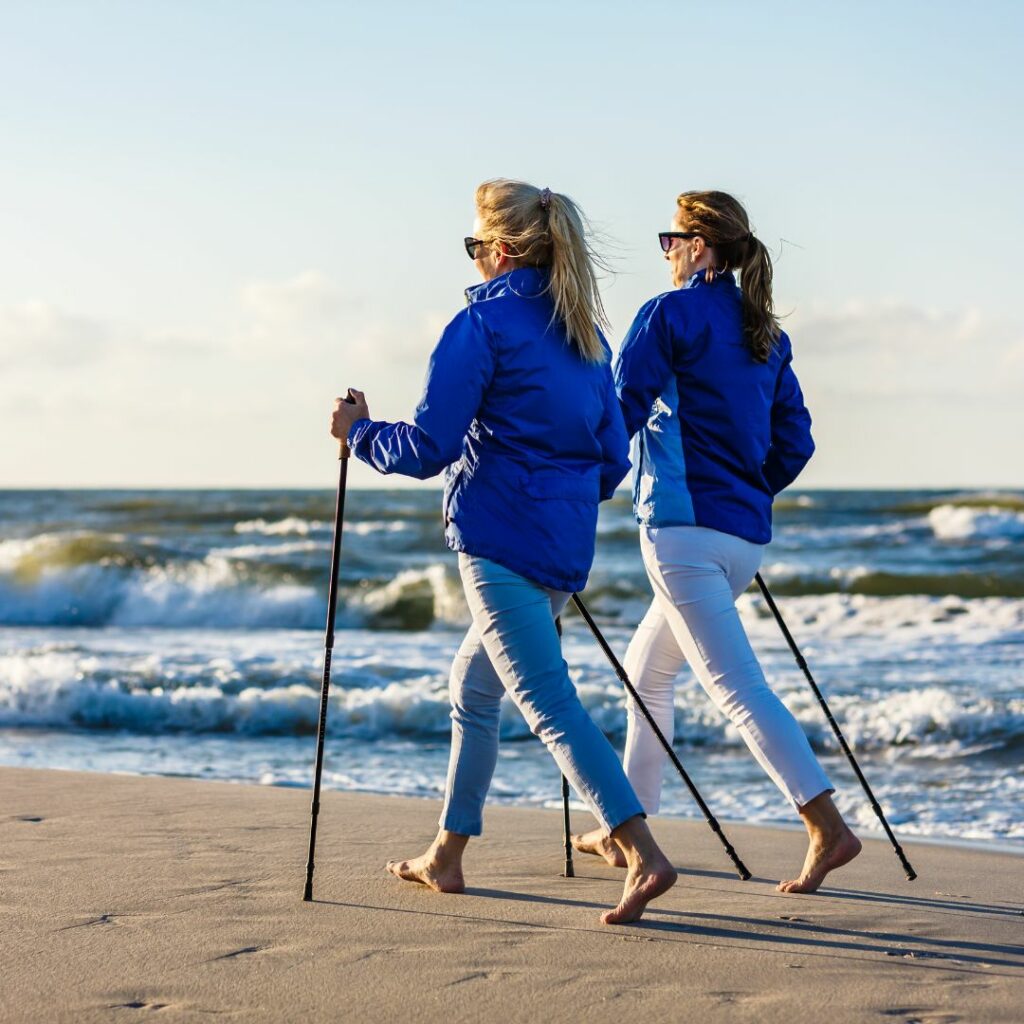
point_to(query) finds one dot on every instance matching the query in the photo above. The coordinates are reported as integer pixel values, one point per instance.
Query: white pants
(697, 574)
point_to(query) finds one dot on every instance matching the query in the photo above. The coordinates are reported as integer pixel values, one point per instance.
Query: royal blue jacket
(718, 434)
(532, 435)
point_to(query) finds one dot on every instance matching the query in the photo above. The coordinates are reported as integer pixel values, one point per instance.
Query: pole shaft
(325, 685)
(684, 775)
(802, 663)
(566, 824)
(567, 830)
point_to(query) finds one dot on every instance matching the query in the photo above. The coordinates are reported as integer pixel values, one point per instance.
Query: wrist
(356, 430)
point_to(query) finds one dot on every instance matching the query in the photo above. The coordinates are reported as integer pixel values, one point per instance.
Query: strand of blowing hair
(547, 229)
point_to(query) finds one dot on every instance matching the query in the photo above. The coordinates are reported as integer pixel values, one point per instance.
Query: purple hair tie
(545, 198)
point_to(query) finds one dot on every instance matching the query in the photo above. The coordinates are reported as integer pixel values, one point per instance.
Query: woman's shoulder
(676, 301)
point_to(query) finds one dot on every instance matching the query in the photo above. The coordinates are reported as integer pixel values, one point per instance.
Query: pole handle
(343, 449)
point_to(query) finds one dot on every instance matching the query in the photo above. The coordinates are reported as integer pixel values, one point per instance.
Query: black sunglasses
(665, 237)
(472, 244)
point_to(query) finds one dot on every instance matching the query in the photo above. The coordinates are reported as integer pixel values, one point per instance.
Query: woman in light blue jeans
(520, 408)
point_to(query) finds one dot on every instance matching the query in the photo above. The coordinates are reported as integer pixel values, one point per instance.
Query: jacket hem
(560, 583)
(753, 536)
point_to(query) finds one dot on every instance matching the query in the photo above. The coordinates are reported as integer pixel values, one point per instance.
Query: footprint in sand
(244, 951)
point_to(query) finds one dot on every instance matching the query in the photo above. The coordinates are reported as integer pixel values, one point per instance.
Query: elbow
(434, 459)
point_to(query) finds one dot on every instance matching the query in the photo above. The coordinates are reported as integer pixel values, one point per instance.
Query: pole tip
(307, 893)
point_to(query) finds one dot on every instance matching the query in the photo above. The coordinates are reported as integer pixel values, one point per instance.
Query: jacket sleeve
(792, 446)
(460, 369)
(644, 365)
(614, 442)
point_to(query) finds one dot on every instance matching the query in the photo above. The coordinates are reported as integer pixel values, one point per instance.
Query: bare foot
(597, 843)
(823, 855)
(428, 871)
(646, 881)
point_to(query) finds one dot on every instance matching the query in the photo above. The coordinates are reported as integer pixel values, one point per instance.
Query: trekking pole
(908, 870)
(325, 686)
(566, 825)
(741, 868)
(566, 830)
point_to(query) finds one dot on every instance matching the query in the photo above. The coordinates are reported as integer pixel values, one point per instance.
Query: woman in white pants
(706, 385)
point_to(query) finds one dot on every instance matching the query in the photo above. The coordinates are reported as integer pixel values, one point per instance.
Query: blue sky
(218, 215)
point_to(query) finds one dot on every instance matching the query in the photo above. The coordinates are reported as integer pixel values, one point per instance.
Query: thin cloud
(887, 350)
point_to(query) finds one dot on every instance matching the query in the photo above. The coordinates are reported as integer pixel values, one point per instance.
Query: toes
(622, 914)
(400, 869)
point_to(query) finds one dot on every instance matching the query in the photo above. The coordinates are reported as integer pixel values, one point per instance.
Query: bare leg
(601, 845)
(831, 845)
(649, 871)
(440, 868)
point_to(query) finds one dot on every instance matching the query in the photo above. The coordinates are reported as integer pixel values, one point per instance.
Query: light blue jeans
(513, 647)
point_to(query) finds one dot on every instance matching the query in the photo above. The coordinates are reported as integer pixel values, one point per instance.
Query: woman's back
(543, 406)
(529, 431)
(723, 432)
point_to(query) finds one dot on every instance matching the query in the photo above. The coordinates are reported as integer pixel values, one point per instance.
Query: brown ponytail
(547, 229)
(722, 222)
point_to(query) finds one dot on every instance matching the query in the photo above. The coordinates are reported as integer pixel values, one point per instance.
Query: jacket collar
(526, 282)
(698, 279)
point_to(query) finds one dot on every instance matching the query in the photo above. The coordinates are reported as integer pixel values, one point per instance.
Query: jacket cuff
(357, 431)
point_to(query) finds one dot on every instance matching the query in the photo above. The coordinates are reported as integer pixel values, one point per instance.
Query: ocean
(181, 633)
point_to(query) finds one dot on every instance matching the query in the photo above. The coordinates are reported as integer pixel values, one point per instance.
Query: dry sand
(136, 899)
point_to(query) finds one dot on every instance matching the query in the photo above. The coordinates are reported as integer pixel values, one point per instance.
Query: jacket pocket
(565, 486)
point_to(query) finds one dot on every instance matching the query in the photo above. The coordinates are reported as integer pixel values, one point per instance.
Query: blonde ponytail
(547, 229)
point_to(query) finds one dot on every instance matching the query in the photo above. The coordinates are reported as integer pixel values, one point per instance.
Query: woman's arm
(460, 369)
(792, 445)
(644, 364)
(614, 443)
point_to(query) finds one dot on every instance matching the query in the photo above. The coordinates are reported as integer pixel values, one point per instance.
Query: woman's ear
(500, 255)
(698, 248)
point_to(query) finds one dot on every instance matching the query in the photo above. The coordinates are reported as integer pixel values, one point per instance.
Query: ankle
(447, 847)
(637, 842)
(825, 833)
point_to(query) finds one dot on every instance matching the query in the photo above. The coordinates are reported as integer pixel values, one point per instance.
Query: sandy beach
(129, 898)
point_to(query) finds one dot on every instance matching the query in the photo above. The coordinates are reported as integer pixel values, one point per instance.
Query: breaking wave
(63, 686)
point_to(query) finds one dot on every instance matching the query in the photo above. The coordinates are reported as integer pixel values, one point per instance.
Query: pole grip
(343, 449)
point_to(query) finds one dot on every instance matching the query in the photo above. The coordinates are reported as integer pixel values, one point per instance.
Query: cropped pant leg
(513, 624)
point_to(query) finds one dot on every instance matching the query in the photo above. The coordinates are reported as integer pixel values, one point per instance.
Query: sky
(216, 216)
